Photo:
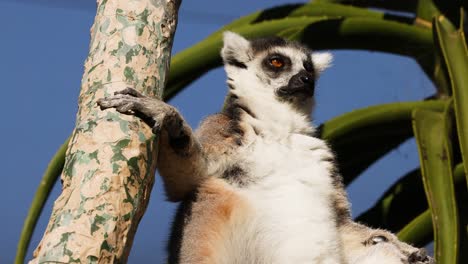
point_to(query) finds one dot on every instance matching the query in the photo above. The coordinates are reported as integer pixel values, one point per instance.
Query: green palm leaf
(432, 131)
(452, 43)
(374, 131)
(419, 230)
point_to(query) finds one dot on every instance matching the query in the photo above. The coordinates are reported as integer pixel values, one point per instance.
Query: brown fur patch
(213, 213)
(216, 136)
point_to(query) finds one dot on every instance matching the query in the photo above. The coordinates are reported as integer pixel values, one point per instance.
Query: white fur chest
(293, 158)
(291, 194)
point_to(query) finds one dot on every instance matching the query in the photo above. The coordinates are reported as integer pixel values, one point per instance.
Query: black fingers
(123, 103)
(127, 108)
(104, 103)
(419, 256)
(130, 91)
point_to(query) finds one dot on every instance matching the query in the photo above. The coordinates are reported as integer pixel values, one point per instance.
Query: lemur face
(274, 66)
(363, 245)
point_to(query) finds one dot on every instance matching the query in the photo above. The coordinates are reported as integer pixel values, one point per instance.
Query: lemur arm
(181, 160)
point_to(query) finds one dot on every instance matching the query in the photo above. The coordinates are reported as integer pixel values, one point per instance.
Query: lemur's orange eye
(277, 63)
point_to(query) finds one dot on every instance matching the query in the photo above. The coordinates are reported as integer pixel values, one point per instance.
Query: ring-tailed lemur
(256, 185)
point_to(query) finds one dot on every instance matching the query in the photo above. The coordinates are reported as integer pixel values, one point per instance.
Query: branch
(110, 163)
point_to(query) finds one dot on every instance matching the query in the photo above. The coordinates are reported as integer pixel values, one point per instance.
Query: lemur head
(273, 67)
(364, 245)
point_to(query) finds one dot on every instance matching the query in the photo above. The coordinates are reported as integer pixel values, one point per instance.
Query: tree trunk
(111, 158)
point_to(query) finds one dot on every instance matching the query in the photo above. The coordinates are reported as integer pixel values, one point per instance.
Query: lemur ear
(236, 50)
(322, 61)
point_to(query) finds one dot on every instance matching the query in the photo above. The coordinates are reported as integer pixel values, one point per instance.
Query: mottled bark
(110, 162)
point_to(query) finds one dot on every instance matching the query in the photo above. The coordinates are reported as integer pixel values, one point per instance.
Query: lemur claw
(156, 129)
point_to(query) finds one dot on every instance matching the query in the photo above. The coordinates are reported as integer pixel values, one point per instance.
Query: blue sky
(43, 46)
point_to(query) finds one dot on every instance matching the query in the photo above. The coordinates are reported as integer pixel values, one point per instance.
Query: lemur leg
(181, 161)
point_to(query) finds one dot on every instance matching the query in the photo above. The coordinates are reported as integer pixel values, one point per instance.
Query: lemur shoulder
(256, 184)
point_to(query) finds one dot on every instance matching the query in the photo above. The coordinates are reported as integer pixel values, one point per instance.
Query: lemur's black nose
(306, 79)
(302, 78)
(418, 256)
(301, 83)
